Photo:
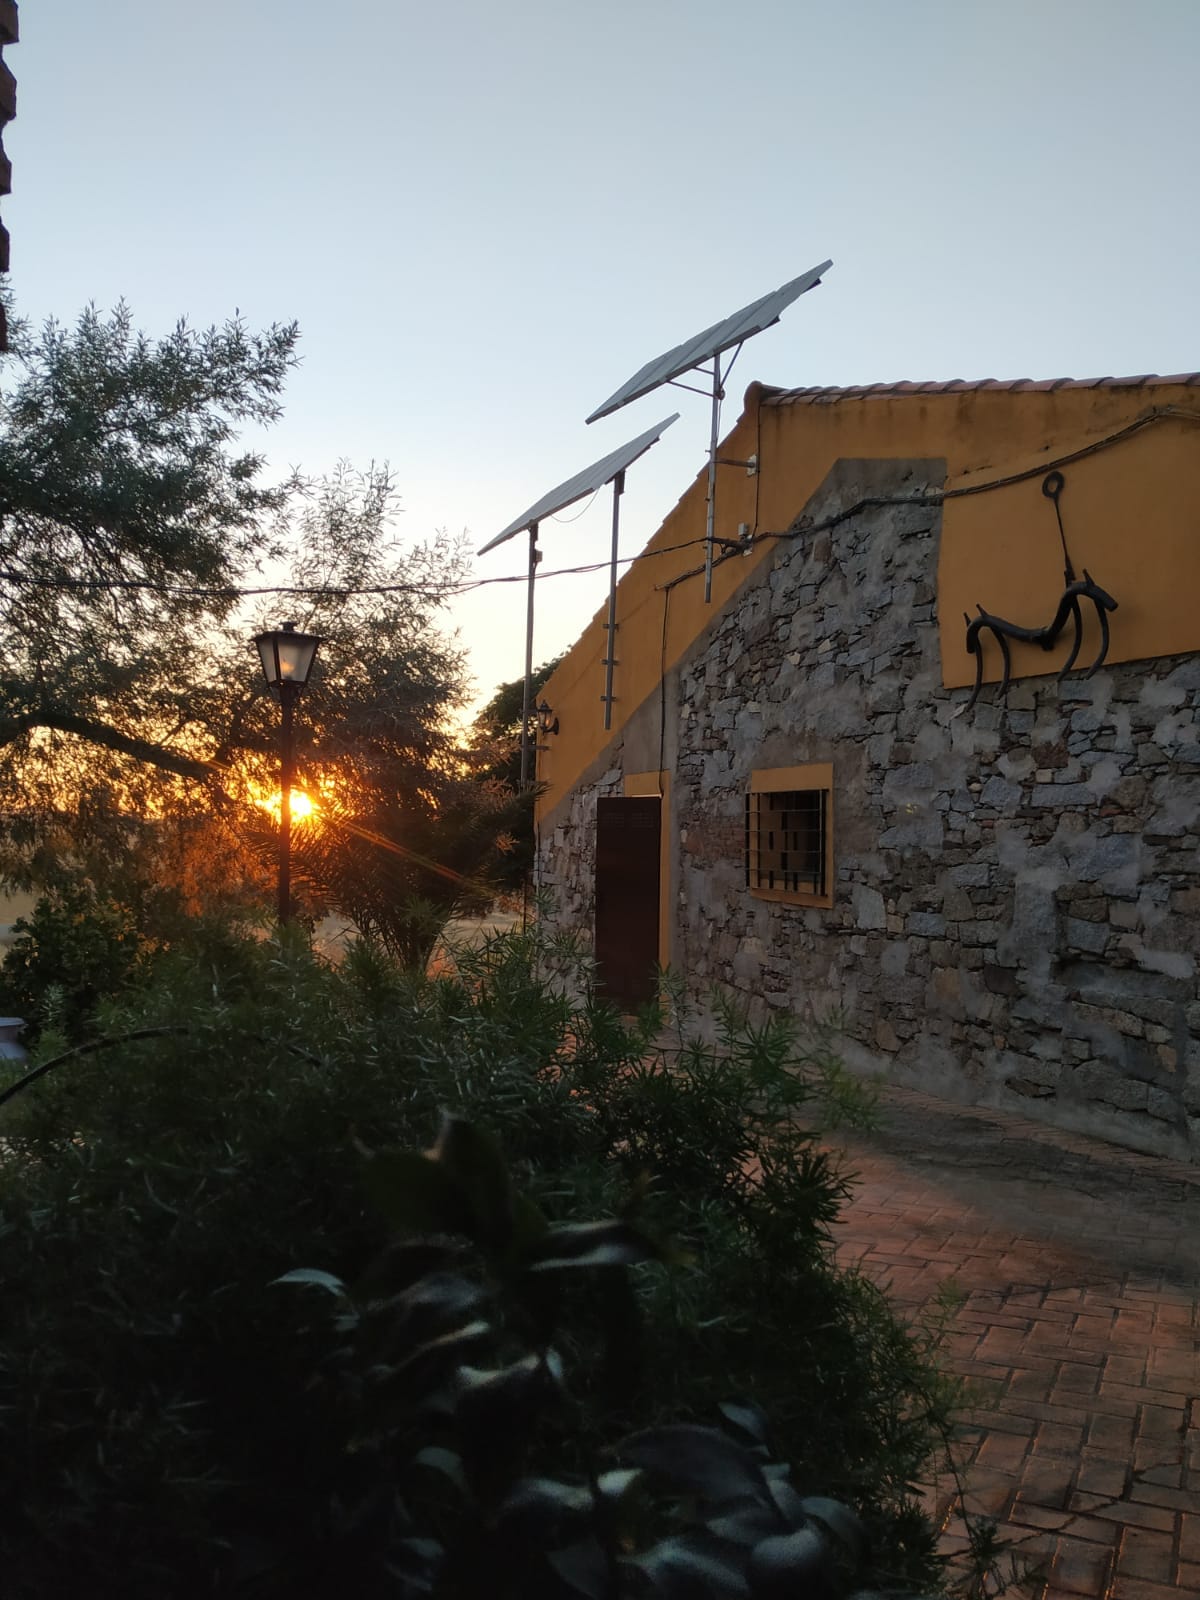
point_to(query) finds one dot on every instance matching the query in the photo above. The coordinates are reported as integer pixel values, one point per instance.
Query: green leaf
(785, 1496)
(434, 1362)
(439, 1298)
(698, 1460)
(748, 1525)
(690, 1565)
(789, 1564)
(593, 1244)
(314, 1275)
(615, 1485)
(750, 1419)
(843, 1523)
(539, 1507)
(446, 1462)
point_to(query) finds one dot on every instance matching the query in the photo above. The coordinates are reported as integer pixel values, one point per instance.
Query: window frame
(813, 777)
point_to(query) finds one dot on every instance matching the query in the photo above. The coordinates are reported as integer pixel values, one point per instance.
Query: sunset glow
(303, 804)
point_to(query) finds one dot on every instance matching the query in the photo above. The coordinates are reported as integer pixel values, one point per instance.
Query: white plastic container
(11, 1048)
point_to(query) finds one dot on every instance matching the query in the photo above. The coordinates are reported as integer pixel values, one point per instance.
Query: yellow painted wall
(1131, 514)
(1129, 510)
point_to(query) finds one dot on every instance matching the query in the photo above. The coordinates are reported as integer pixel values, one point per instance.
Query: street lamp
(287, 658)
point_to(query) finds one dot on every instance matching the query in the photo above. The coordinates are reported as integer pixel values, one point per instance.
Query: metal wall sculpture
(1077, 589)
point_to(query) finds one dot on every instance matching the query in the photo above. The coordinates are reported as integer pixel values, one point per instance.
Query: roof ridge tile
(907, 387)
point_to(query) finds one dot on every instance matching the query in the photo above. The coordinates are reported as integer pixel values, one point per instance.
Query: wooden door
(628, 830)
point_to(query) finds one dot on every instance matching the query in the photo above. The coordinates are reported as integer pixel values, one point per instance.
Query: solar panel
(585, 482)
(721, 336)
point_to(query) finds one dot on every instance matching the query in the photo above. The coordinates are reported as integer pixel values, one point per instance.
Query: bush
(73, 951)
(159, 1419)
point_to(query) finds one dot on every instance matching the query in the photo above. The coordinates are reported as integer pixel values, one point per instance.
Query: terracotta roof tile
(821, 393)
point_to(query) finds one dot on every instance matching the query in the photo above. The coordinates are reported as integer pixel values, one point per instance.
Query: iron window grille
(787, 842)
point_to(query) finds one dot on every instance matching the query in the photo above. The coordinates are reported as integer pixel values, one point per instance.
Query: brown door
(627, 835)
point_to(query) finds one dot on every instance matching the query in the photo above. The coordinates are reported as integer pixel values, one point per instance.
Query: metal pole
(527, 699)
(288, 694)
(610, 659)
(718, 394)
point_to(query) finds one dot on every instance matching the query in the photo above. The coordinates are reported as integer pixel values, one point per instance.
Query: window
(789, 828)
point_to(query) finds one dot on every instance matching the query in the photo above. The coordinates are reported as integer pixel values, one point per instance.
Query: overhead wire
(336, 591)
(453, 590)
(936, 497)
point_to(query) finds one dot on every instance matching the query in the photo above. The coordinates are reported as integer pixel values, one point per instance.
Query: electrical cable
(591, 501)
(937, 497)
(239, 592)
(469, 586)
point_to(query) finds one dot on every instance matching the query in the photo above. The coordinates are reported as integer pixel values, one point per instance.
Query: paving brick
(1125, 1369)
(1160, 1422)
(1150, 1518)
(1167, 1477)
(1005, 1450)
(1097, 1475)
(1112, 1435)
(1153, 1494)
(1081, 1568)
(1095, 1530)
(1126, 1587)
(1142, 1395)
(1146, 1554)
(1032, 1514)
(1081, 1271)
(1149, 1453)
(1078, 1377)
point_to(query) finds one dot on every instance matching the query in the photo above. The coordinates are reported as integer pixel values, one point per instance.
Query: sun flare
(303, 804)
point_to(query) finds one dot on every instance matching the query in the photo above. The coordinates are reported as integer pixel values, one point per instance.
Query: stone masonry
(1016, 912)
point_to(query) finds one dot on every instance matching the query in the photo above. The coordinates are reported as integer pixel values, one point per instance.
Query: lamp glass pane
(266, 649)
(296, 652)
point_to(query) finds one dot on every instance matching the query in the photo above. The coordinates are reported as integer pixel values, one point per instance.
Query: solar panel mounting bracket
(730, 334)
(609, 469)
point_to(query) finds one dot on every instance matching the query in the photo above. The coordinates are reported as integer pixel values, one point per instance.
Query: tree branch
(100, 733)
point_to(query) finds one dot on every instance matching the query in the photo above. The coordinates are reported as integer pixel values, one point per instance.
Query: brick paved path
(1079, 1264)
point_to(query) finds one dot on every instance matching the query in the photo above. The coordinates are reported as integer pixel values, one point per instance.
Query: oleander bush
(176, 1420)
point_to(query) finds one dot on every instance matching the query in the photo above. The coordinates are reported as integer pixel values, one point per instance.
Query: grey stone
(1161, 1104)
(1062, 796)
(971, 874)
(1098, 857)
(1087, 935)
(868, 907)
(1000, 795)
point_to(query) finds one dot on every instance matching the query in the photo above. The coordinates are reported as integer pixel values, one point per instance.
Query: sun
(303, 804)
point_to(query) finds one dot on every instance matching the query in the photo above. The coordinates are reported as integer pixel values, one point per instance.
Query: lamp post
(287, 658)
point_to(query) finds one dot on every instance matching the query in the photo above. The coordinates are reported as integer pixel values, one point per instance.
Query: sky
(486, 216)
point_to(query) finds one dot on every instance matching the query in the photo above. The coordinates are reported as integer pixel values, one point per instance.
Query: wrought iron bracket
(1046, 638)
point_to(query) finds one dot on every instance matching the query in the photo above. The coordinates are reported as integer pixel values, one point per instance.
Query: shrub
(74, 950)
(158, 1415)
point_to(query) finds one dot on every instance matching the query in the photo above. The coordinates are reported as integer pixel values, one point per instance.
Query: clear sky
(486, 216)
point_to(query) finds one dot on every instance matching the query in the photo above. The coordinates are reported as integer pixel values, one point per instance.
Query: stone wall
(1016, 911)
